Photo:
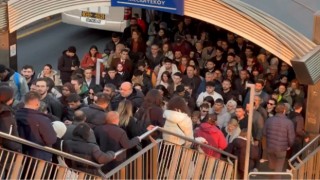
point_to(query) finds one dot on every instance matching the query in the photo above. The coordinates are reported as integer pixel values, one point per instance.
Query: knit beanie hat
(6, 93)
(60, 128)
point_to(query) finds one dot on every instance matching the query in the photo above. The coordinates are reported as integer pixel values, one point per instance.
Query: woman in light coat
(50, 73)
(177, 121)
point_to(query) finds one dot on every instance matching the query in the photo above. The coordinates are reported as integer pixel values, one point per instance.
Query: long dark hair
(93, 47)
(153, 97)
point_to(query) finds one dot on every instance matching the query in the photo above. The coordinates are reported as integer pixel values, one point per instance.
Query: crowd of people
(174, 72)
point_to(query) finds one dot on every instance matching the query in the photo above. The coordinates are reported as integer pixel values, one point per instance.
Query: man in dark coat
(80, 146)
(67, 63)
(79, 117)
(280, 135)
(128, 92)
(111, 137)
(8, 122)
(74, 104)
(54, 106)
(35, 126)
(95, 113)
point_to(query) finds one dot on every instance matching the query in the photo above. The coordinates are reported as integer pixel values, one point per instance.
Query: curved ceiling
(252, 24)
(233, 15)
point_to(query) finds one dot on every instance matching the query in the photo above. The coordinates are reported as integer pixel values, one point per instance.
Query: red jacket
(214, 137)
(88, 62)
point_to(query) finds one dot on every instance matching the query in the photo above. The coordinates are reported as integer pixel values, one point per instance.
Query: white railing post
(246, 164)
(98, 73)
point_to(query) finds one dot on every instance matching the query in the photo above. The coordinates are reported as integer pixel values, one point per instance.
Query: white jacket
(202, 95)
(179, 123)
(174, 69)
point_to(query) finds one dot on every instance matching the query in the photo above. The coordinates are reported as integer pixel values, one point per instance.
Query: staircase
(164, 160)
(159, 160)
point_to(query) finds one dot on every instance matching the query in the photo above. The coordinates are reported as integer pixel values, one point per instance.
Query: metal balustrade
(164, 160)
(159, 160)
(15, 165)
(305, 164)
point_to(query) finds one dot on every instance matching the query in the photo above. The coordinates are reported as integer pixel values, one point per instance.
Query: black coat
(86, 150)
(8, 125)
(95, 115)
(136, 97)
(132, 129)
(54, 106)
(64, 66)
(36, 127)
(113, 138)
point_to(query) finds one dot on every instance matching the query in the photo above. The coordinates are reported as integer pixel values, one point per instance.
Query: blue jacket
(279, 132)
(36, 127)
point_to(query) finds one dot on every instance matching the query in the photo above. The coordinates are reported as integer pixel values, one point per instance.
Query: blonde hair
(233, 122)
(125, 112)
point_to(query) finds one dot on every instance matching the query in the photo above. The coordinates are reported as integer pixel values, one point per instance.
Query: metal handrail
(272, 173)
(304, 148)
(157, 128)
(50, 150)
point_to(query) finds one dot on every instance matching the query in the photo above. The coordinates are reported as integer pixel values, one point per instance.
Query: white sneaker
(255, 170)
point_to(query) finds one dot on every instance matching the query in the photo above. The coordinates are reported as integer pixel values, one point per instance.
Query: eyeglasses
(270, 103)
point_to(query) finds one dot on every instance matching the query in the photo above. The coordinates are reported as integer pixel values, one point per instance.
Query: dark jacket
(117, 80)
(86, 150)
(133, 129)
(8, 125)
(113, 138)
(136, 97)
(69, 133)
(36, 127)
(238, 148)
(64, 66)
(279, 132)
(54, 106)
(69, 113)
(95, 115)
(257, 125)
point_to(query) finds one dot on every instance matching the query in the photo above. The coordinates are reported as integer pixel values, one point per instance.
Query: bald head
(112, 117)
(126, 89)
(79, 116)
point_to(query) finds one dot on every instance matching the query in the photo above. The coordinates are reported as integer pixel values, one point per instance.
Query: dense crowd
(174, 72)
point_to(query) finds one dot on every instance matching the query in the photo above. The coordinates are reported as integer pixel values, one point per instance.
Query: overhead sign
(171, 6)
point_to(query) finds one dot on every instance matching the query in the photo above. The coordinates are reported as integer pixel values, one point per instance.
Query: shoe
(255, 170)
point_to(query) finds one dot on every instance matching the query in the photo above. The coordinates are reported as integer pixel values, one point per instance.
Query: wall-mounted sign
(171, 6)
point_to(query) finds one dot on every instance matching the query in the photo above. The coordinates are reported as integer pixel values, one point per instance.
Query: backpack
(17, 82)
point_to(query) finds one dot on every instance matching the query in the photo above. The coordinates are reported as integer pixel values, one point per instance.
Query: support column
(8, 41)
(312, 120)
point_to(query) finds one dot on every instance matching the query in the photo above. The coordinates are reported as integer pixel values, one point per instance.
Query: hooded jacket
(95, 115)
(87, 150)
(8, 125)
(179, 123)
(214, 138)
(36, 127)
